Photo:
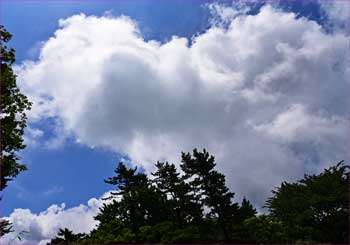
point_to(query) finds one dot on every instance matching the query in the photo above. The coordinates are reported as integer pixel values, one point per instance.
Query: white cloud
(42, 227)
(296, 125)
(222, 15)
(268, 95)
(53, 190)
(32, 135)
(338, 13)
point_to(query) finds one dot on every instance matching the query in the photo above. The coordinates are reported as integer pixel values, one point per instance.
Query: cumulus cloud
(42, 227)
(32, 136)
(267, 94)
(222, 15)
(338, 13)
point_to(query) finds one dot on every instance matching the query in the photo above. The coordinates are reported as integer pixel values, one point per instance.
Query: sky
(262, 86)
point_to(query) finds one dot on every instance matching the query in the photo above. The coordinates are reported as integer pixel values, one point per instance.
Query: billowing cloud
(267, 94)
(41, 228)
(32, 136)
(338, 13)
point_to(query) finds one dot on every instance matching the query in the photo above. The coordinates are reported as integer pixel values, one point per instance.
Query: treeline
(196, 206)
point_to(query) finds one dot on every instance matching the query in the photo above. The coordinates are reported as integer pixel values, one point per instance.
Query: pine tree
(245, 213)
(185, 210)
(66, 236)
(141, 203)
(246, 210)
(210, 188)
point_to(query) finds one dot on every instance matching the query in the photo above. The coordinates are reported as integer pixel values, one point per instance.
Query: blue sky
(75, 171)
(158, 19)
(289, 114)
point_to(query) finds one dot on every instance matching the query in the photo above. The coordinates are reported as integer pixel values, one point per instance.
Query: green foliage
(13, 117)
(211, 188)
(105, 233)
(245, 212)
(264, 229)
(66, 236)
(315, 208)
(141, 203)
(169, 208)
(184, 207)
(157, 233)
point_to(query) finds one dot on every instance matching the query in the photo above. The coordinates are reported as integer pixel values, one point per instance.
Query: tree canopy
(315, 208)
(13, 119)
(196, 206)
(14, 105)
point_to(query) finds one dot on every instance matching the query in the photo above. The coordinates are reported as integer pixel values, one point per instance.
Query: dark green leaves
(196, 206)
(315, 208)
(13, 115)
(66, 236)
(12, 119)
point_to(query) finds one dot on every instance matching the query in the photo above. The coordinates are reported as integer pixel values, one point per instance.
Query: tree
(240, 232)
(264, 230)
(66, 236)
(13, 119)
(163, 210)
(127, 179)
(181, 201)
(316, 208)
(246, 210)
(141, 203)
(14, 105)
(210, 187)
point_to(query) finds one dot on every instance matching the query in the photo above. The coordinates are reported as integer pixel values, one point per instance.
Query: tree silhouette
(196, 206)
(13, 120)
(180, 199)
(66, 236)
(212, 188)
(315, 208)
